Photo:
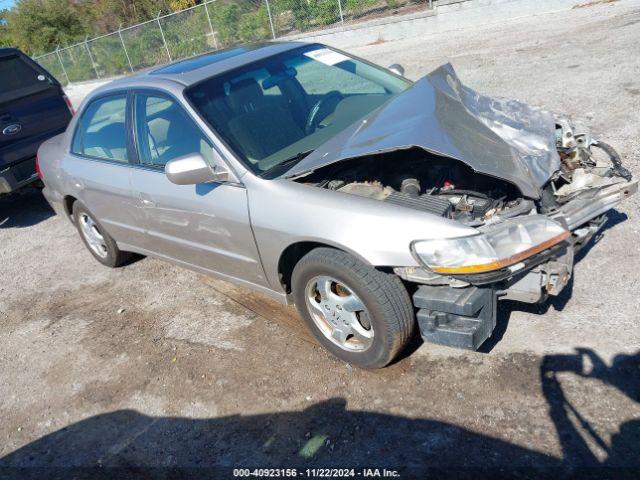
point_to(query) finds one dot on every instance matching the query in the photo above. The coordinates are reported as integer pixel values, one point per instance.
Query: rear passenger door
(98, 166)
(204, 226)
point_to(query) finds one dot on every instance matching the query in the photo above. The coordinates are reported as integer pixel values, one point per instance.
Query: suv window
(101, 130)
(164, 131)
(16, 74)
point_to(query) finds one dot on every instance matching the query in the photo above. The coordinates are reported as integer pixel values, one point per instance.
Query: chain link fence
(208, 26)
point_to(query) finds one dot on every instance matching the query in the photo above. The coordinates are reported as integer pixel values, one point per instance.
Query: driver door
(205, 226)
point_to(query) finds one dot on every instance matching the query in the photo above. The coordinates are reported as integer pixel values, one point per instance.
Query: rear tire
(361, 315)
(96, 239)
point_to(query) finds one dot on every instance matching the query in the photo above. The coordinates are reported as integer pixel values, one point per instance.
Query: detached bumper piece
(456, 317)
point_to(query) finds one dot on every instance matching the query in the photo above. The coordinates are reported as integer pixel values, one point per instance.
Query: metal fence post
(162, 33)
(341, 16)
(213, 34)
(273, 30)
(124, 47)
(62, 64)
(93, 63)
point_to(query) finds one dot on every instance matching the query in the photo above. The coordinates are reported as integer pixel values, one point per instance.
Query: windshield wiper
(287, 162)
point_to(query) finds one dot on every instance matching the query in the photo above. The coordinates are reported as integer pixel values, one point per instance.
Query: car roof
(192, 70)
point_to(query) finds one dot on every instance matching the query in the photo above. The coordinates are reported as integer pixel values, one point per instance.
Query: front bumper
(463, 313)
(456, 317)
(592, 203)
(465, 317)
(18, 175)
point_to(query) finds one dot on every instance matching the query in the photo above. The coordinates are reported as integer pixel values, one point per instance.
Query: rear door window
(101, 131)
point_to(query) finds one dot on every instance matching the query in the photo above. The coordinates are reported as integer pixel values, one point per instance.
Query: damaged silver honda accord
(377, 205)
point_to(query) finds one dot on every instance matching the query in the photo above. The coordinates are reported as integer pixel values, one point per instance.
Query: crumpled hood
(507, 139)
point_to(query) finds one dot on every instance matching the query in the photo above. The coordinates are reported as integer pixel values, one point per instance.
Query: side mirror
(397, 69)
(193, 169)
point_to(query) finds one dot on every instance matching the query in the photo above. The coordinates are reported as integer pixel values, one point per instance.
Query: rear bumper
(18, 175)
(55, 201)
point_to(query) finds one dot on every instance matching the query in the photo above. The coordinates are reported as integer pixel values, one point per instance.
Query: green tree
(310, 13)
(37, 26)
(5, 38)
(254, 25)
(107, 15)
(226, 19)
(177, 5)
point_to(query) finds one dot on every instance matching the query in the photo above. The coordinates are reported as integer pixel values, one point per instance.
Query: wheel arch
(291, 255)
(67, 202)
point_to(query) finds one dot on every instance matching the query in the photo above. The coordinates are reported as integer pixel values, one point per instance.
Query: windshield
(274, 111)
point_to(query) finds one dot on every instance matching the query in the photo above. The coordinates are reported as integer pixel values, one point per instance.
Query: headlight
(496, 247)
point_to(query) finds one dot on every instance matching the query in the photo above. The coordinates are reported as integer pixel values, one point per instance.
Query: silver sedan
(377, 205)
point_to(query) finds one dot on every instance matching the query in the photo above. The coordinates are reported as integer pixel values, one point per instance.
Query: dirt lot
(152, 366)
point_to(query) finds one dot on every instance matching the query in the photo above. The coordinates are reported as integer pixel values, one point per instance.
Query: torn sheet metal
(502, 138)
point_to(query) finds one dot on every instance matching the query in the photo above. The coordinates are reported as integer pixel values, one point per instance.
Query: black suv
(33, 108)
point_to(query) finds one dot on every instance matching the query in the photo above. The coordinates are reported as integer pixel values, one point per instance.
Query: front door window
(164, 131)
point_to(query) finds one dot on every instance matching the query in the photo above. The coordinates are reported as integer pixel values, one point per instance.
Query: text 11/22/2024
(316, 472)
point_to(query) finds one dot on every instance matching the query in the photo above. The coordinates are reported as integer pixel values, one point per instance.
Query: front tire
(96, 239)
(361, 315)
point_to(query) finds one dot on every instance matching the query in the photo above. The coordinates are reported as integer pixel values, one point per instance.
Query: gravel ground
(151, 366)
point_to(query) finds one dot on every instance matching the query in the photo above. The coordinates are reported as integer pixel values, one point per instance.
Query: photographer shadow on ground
(23, 208)
(574, 431)
(127, 444)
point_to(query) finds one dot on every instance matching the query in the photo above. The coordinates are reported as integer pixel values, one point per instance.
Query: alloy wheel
(339, 313)
(92, 235)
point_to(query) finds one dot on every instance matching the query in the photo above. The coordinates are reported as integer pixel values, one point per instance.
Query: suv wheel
(360, 314)
(96, 239)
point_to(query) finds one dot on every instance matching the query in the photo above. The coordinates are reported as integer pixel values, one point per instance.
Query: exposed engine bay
(437, 185)
(414, 178)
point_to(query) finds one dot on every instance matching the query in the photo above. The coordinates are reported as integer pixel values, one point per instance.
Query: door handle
(146, 201)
